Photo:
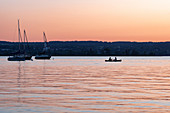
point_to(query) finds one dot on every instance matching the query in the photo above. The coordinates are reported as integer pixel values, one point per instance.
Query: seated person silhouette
(115, 58)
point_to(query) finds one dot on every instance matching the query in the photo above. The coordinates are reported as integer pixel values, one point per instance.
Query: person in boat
(115, 58)
(110, 59)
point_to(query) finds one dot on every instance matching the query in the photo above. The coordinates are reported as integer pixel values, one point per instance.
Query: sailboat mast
(19, 35)
(45, 40)
(26, 41)
(24, 38)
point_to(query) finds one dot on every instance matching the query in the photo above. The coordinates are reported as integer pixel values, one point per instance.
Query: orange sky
(102, 20)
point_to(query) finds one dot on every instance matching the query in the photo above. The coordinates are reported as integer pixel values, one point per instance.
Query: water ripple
(86, 84)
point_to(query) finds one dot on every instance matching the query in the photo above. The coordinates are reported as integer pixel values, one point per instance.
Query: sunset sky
(98, 20)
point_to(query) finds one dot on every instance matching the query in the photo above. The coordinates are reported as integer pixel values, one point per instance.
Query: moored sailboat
(18, 56)
(45, 54)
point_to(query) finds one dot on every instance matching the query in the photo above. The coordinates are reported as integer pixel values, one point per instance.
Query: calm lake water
(85, 84)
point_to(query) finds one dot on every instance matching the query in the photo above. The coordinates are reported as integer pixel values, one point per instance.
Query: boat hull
(28, 57)
(42, 57)
(16, 59)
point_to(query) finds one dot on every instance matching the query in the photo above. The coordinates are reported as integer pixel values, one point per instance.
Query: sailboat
(18, 56)
(27, 54)
(45, 54)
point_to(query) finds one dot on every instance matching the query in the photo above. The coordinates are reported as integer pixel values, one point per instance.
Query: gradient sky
(101, 20)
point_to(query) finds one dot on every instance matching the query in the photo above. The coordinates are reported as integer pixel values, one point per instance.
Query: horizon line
(91, 41)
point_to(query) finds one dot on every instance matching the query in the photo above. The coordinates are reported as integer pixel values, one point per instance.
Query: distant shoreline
(92, 41)
(91, 48)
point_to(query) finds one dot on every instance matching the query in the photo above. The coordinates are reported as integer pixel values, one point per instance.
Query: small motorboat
(113, 60)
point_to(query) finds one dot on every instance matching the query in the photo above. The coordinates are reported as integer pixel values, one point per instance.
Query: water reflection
(44, 67)
(19, 82)
(72, 84)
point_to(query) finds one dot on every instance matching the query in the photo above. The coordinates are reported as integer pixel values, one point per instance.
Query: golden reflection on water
(85, 84)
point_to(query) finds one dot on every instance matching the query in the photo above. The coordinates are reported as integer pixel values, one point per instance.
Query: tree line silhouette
(92, 48)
